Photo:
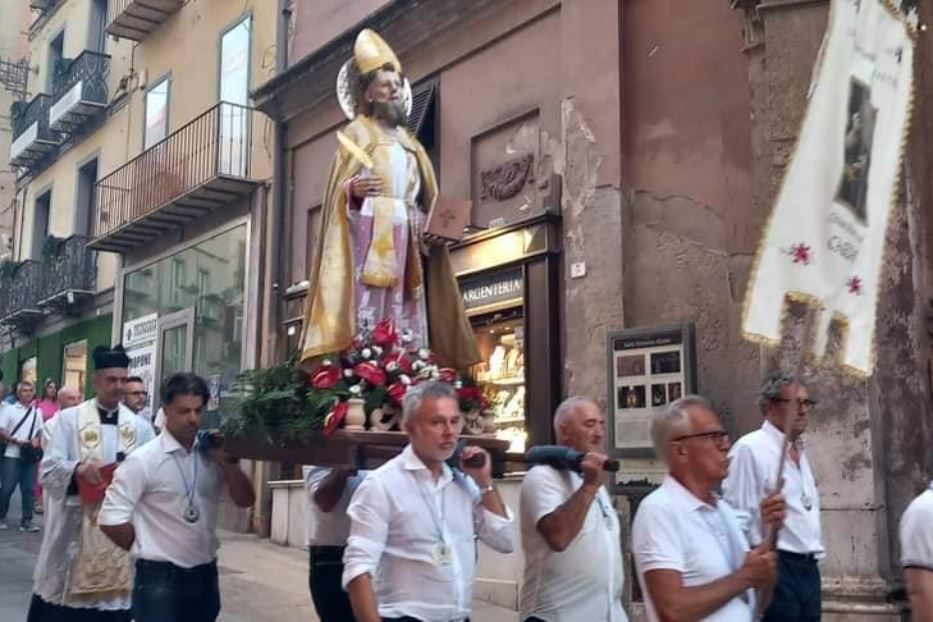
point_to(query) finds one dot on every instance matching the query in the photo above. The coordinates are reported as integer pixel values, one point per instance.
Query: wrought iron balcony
(200, 167)
(134, 19)
(68, 274)
(21, 293)
(33, 139)
(79, 93)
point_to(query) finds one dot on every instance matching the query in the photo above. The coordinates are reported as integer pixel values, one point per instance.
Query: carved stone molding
(507, 180)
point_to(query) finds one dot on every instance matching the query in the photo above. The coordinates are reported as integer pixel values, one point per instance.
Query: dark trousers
(13, 473)
(325, 568)
(164, 592)
(797, 593)
(41, 611)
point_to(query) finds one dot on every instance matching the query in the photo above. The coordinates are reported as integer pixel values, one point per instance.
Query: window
(40, 223)
(86, 200)
(74, 365)
(28, 369)
(54, 60)
(234, 89)
(156, 113)
(97, 26)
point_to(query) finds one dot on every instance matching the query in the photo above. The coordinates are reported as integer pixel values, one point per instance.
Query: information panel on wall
(648, 368)
(139, 339)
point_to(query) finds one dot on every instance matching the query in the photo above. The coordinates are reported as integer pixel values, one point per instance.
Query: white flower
(366, 353)
(427, 372)
(407, 335)
(348, 373)
(404, 379)
(326, 363)
(417, 365)
(391, 366)
(458, 385)
(377, 351)
(424, 353)
(356, 389)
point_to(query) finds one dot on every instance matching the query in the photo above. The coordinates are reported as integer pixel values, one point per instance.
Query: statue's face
(385, 88)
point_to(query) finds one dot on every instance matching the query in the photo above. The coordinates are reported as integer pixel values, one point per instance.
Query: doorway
(175, 348)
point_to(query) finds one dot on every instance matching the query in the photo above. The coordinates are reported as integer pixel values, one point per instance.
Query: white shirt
(917, 532)
(149, 490)
(752, 473)
(394, 531)
(583, 582)
(328, 528)
(10, 416)
(675, 530)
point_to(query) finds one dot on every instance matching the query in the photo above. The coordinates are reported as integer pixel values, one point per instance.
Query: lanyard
(189, 490)
(438, 523)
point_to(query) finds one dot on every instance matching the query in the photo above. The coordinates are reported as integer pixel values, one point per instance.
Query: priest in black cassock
(80, 574)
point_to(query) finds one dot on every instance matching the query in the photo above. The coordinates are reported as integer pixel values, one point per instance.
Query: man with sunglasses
(785, 403)
(692, 558)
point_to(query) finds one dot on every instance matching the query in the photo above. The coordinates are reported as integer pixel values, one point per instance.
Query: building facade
(141, 179)
(621, 157)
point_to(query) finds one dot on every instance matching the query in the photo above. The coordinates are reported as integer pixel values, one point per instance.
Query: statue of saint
(368, 259)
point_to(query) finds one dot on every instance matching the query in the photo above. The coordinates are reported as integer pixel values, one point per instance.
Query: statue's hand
(363, 187)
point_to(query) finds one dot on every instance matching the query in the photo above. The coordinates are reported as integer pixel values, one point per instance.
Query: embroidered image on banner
(824, 241)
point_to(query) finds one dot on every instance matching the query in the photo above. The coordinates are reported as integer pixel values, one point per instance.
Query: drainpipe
(262, 508)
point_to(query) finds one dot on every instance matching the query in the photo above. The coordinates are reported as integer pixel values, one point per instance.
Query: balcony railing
(79, 93)
(32, 137)
(202, 166)
(22, 291)
(134, 19)
(68, 275)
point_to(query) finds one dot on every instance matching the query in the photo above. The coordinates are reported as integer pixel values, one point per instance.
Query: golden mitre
(372, 52)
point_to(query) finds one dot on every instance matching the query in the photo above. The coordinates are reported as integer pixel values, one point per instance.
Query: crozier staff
(162, 505)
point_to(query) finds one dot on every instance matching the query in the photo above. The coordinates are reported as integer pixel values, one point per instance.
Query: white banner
(142, 364)
(824, 242)
(141, 330)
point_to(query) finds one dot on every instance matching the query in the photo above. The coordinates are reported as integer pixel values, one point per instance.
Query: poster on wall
(648, 369)
(139, 339)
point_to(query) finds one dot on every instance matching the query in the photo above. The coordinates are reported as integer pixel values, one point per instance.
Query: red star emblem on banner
(800, 253)
(855, 285)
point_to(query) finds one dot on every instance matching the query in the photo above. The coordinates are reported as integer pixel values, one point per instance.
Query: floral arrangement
(377, 370)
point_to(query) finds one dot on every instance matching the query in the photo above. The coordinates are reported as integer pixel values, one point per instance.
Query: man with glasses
(136, 398)
(786, 405)
(692, 558)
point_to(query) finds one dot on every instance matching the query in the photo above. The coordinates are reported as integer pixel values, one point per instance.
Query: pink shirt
(47, 408)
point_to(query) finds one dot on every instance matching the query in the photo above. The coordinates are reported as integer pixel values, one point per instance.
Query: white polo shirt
(584, 581)
(149, 490)
(917, 532)
(328, 528)
(675, 530)
(11, 415)
(753, 468)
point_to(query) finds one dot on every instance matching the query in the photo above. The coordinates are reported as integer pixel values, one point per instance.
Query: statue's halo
(347, 99)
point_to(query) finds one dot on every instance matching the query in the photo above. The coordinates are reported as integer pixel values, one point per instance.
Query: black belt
(800, 557)
(326, 554)
(169, 567)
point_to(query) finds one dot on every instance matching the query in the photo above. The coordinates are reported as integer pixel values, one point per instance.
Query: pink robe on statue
(399, 170)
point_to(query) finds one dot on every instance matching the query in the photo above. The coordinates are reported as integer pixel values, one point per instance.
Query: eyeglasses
(801, 403)
(720, 437)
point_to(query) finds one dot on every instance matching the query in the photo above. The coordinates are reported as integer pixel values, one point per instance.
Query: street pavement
(259, 581)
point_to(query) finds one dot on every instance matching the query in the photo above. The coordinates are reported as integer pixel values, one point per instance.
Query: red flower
(397, 392)
(371, 373)
(447, 374)
(385, 334)
(335, 418)
(400, 358)
(325, 376)
(855, 286)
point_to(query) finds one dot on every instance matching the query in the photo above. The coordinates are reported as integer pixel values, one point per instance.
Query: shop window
(501, 374)
(74, 365)
(217, 268)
